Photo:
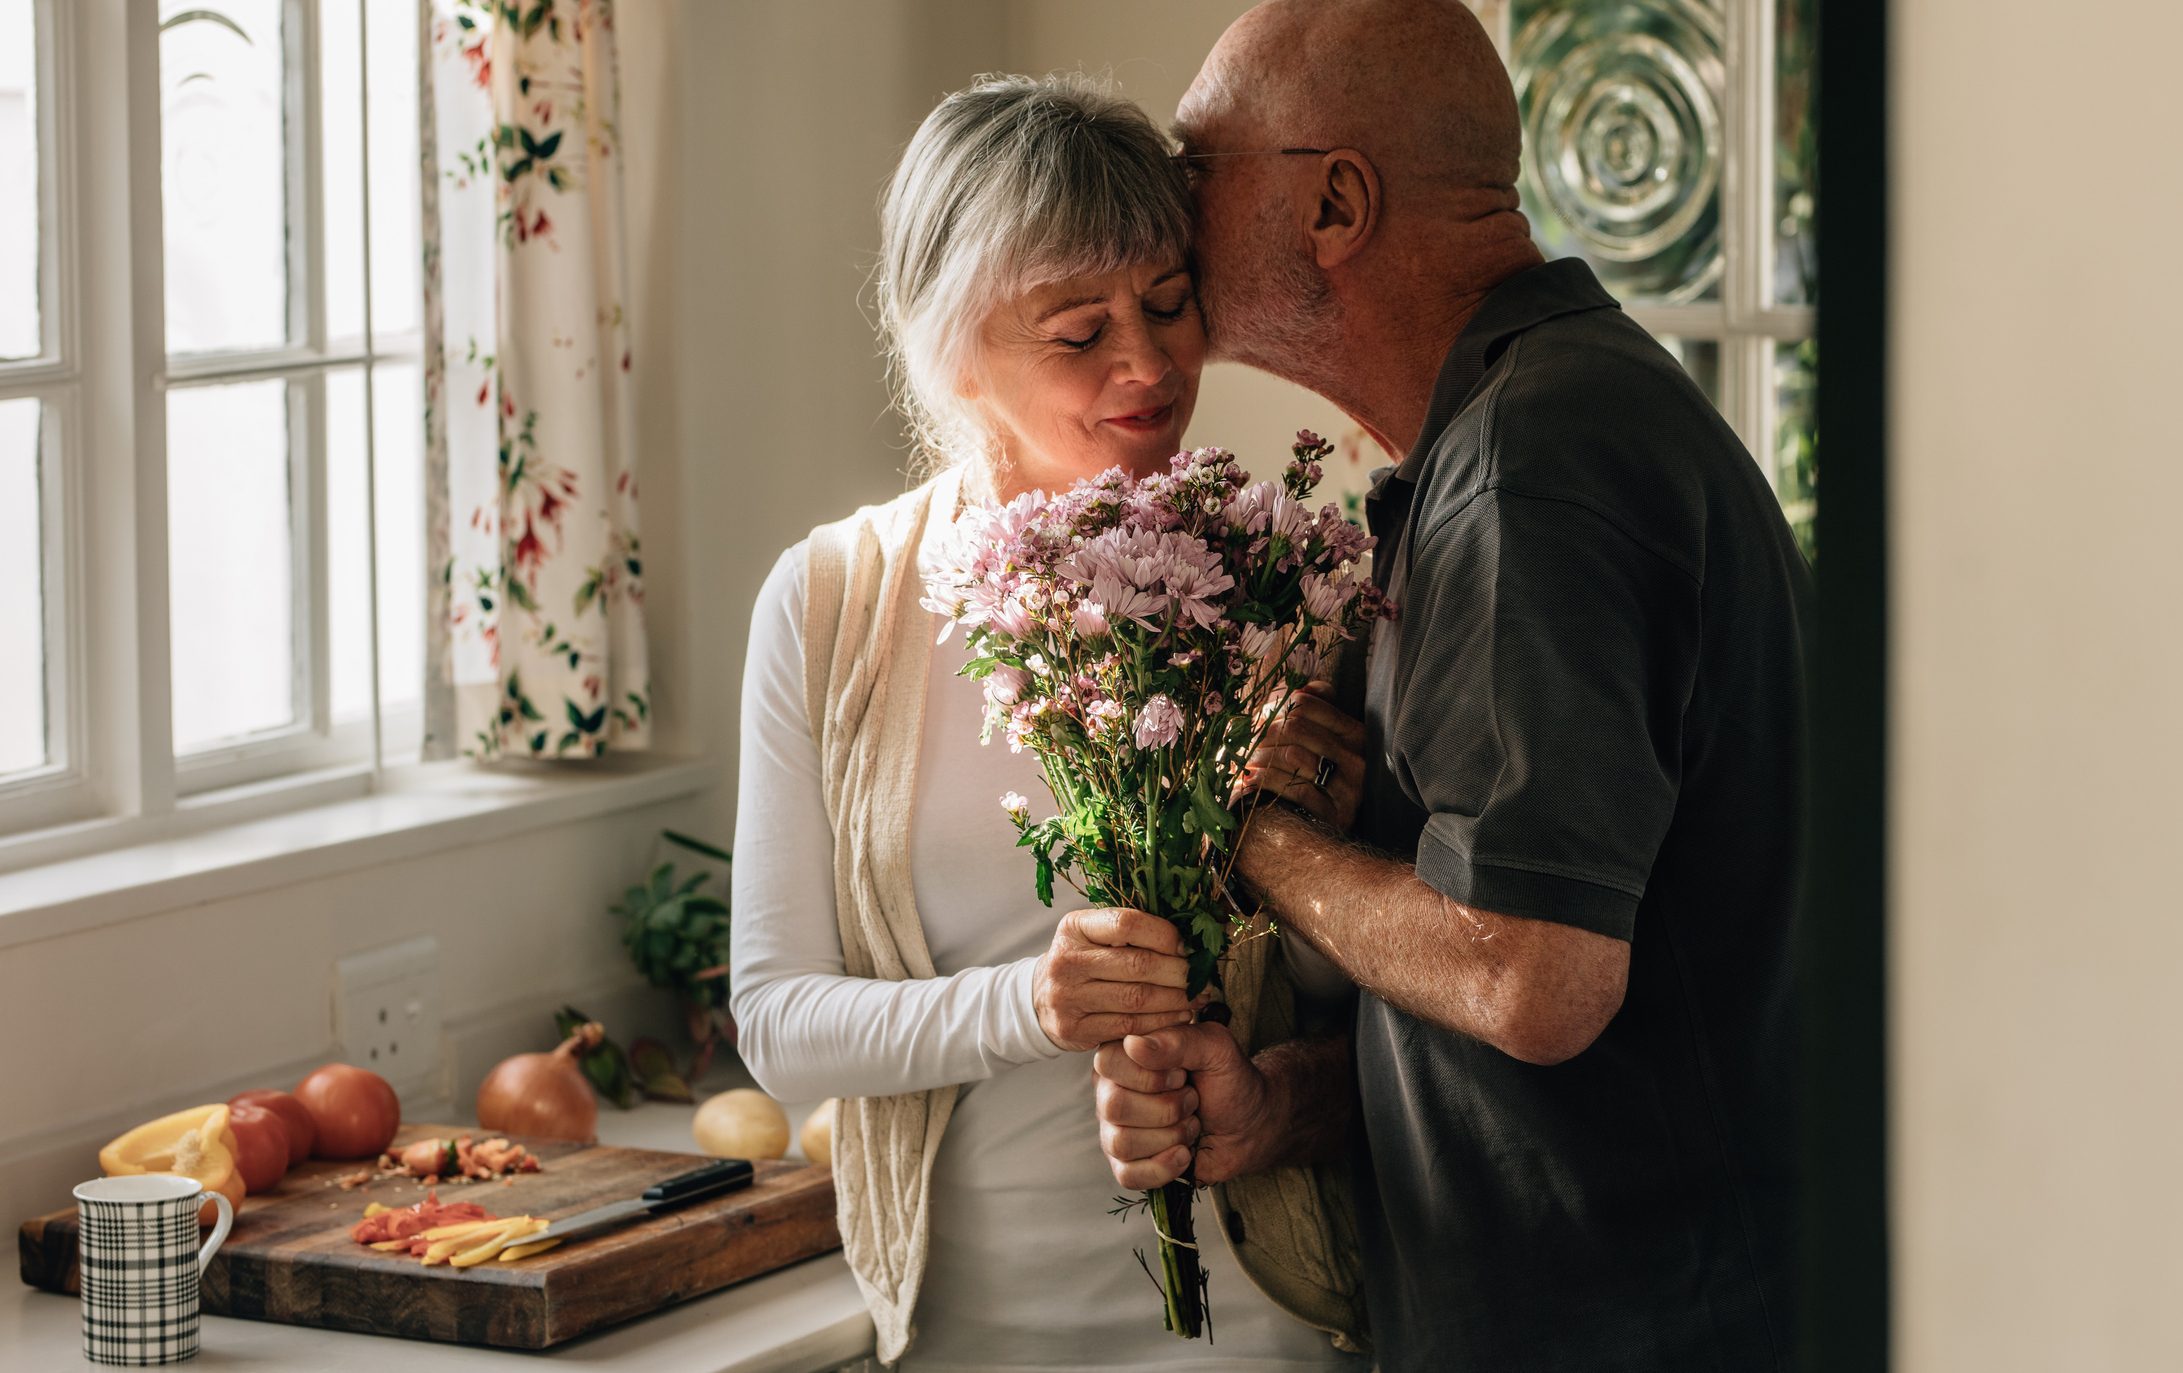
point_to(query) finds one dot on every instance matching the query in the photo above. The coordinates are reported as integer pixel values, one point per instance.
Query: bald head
(1414, 84)
(1352, 272)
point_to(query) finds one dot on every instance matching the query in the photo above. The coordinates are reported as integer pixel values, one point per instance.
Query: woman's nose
(1141, 358)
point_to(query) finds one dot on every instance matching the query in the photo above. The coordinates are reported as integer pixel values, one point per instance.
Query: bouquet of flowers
(1140, 637)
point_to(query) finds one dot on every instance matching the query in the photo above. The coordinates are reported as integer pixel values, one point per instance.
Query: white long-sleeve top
(1027, 1271)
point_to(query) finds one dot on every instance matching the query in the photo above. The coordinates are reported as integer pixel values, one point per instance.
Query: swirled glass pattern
(1622, 104)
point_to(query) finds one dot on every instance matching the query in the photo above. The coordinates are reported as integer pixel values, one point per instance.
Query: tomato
(355, 1110)
(302, 1130)
(261, 1146)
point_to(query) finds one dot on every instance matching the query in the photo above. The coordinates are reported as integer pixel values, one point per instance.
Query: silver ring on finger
(1324, 776)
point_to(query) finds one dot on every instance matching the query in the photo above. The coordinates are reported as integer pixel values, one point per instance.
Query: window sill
(418, 810)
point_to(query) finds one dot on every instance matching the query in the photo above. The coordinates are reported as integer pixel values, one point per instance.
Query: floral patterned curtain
(537, 644)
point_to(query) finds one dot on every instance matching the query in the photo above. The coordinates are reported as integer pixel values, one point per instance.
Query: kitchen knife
(725, 1175)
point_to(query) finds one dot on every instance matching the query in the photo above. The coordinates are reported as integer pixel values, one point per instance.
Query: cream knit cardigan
(867, 650)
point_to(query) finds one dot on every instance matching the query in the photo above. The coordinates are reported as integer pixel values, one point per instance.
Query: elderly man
(1579, 790)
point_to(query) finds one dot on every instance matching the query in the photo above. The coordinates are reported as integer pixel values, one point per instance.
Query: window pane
(19, 175)
(400, 430)
(340, 151)
(396, 299)
(1796, 437)
(224, 175)
(397, 291)
(230, 552)
(1796, 153)
(1622, 105)
(399, 406)
(22, 593)
(1702, 359)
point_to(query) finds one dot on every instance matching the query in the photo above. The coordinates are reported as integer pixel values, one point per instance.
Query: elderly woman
(1035, 293)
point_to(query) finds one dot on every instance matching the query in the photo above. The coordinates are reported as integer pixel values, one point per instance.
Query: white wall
(2037, 644)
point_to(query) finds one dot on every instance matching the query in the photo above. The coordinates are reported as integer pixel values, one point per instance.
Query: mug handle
(220, 1228)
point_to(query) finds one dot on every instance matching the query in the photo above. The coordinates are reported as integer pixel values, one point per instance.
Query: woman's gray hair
(1011, 183)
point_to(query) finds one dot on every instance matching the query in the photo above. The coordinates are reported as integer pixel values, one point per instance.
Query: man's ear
(1347, 208)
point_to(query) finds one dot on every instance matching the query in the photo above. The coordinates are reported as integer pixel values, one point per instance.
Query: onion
(543, 1095)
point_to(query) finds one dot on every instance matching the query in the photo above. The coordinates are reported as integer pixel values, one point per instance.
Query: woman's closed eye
(1080, 344)
(1164, 312)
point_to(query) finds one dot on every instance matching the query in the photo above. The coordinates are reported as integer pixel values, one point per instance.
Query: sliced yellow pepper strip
(524, 1251)
(471, 1257)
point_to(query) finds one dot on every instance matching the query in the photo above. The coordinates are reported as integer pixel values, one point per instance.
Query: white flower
(1016, 804)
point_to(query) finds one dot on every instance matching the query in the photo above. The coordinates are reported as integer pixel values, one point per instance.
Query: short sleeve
(1547, 658)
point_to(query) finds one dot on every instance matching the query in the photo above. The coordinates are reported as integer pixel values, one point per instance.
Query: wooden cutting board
(290, 1258)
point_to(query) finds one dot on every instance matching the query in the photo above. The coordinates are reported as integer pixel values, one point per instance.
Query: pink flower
(1090, 619)
(1016, 804)
(1024, 719)
(1325, 597)
(1005, 685)
(1306, 663)
(1159, 723)
(1013, 618)
(1104, 716)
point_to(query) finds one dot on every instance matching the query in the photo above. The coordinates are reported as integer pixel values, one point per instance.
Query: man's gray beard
(1286, 328)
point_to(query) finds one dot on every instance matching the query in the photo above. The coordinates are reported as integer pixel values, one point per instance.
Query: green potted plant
(676, 932)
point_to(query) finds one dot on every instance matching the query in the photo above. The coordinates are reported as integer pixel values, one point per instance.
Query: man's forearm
(1536, 990)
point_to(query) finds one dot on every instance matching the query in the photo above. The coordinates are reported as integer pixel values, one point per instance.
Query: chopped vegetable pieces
(460, 1234)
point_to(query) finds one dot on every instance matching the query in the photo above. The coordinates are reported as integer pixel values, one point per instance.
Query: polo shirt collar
(1533, 296)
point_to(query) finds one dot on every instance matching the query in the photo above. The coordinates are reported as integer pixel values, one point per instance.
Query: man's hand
(1177, 1093)
(1110, 973)
(1312, 736)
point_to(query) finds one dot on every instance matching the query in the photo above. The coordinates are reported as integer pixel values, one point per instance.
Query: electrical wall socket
(387, 1012)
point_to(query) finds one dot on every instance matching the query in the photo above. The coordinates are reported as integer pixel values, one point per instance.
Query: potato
(744, 1123)
(818, 1132)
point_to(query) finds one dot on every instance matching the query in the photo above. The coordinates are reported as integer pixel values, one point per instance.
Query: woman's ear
(1347, 208)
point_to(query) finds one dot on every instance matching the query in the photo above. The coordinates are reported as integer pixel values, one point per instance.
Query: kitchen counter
(805, 1318)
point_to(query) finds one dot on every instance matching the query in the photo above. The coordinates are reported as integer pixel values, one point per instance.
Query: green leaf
(1212, 817)
(697, 846)
(1044, 882)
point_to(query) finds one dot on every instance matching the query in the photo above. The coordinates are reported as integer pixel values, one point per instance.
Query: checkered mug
(137, 1253)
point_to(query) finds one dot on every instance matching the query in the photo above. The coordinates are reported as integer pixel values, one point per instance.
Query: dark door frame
(1845, 1315)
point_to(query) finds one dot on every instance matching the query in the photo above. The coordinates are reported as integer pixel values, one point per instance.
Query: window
(37, 393)
(1671, 143)
(260, 412)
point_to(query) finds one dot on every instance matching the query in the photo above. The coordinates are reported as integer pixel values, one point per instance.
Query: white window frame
(1745, 321)
(104, 375)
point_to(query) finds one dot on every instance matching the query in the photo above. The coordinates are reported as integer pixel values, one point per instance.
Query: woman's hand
(1110, 973)
(1313, 756)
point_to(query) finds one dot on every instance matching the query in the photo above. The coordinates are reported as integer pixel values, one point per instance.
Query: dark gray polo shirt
(1589, 709)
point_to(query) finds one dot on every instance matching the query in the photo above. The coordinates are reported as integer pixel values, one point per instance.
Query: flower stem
(1180, 1276)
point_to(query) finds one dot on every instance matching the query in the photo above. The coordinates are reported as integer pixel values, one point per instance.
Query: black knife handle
(724, 1175)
